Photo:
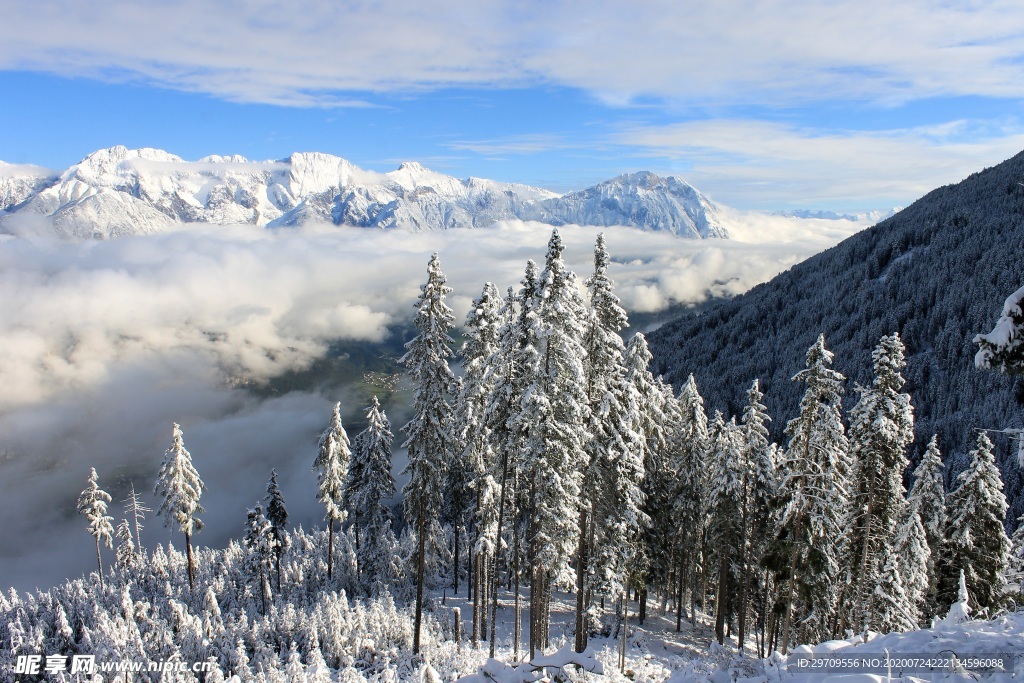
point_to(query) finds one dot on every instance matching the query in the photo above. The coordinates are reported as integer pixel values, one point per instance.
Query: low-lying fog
(104, 344)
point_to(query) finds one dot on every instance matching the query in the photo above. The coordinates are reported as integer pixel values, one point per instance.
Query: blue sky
(766, 105)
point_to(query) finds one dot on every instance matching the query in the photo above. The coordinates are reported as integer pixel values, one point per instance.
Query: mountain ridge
(120, 191)
(937, 272)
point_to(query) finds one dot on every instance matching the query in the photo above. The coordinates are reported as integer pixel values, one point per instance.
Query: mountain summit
(120, 191)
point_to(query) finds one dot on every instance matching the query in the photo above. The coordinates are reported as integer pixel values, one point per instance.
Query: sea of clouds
(103, 344)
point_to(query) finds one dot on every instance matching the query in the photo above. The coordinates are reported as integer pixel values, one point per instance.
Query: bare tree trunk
(622, 642)
(188, 556)
(680, 574)
(744, 568)
(476, 602)
(643, 605)
(861, 602)
(721, 601)
(420, 566)
(277, 561)
(791, 593)
(497, 547)
(456, 587)
(517, 630)
(534, 575)
(330, 548)
(581, 563)
(99, 563)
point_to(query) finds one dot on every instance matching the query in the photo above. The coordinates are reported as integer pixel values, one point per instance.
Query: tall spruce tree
(976, 541)
(690, 507)
(92, 503)
(331, 464)
(516, 353)
(813, 491)
(662, 538)
(621, 555)
(914, 558)
(481, 370)
(760, 486)
(650, 417)
(554, 415)
(371, 492)
(881, 428)
(277, 514)
(260, 543)
(928, 498)
(459, 506)
(726, 500)
(430, 431)
(179, 487)
(604, 351)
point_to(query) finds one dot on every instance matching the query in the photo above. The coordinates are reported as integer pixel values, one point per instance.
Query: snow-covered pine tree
(1003, 348)
(554, 414)
(179, 487)
(260, 543)
(482, 331)
(127, 555)
(650, 416)
(976, 540)
(430, 430)
(928, 497)
(516, 353)
(1015, 569)
(662, 538)
(893, 607)
(813, 491)
(459, 505)
(726, 499)
(331, 467)
(621, 559)
(277, 514)
(374, 488)
(881, 428)
(604, 382)
(914, 558)
(760, 484)
(92, 503)
(690, 507)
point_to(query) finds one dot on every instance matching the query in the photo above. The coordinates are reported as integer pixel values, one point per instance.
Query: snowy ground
(657, 653)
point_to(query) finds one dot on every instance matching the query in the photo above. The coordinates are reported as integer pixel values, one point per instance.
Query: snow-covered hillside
(120, 191)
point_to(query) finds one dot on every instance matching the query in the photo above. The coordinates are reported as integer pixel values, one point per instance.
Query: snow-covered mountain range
(866, 217)
(120, 191)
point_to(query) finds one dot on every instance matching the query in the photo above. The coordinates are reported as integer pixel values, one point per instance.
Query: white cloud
(245, 301)
(760, 163)
(515, 144)
(306, 53)
(23, 170)
(106, 343)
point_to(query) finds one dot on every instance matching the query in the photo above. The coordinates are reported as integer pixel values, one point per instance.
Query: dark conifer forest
(937, 272)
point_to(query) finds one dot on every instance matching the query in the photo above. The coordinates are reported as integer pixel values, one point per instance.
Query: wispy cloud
(313, 52)
(514, 144)
(762, 163)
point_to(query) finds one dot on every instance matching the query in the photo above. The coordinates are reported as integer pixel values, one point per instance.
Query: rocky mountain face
(120, 191)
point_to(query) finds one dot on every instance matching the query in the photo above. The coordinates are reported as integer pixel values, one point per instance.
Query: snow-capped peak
(146, 190)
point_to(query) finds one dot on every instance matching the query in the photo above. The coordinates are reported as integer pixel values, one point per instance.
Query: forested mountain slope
(937, 272)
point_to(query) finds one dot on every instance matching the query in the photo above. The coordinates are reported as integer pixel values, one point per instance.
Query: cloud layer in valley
(105, 343)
